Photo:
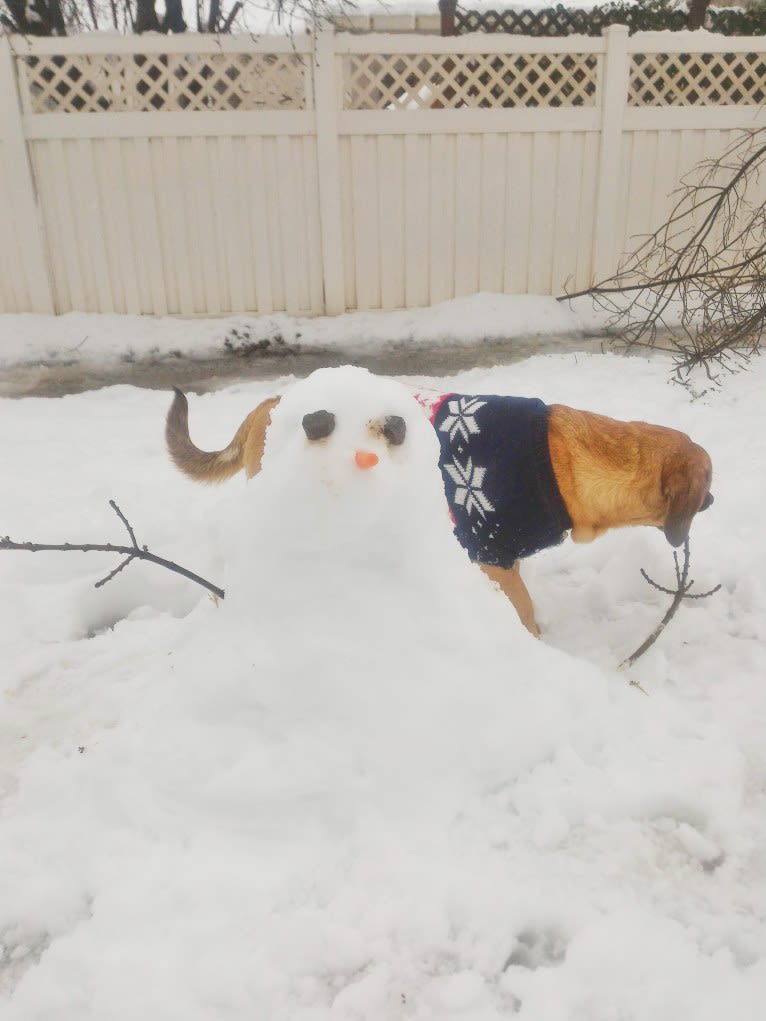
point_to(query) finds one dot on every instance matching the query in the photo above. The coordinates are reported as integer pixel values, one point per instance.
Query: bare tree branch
(696, 286)
(680, 593)
(116, 571)
(133, 552)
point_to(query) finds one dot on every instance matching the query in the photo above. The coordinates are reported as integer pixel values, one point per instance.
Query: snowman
(345, 587)
(348, 511)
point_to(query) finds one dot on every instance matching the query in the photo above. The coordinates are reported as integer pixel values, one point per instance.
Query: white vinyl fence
(196, 175)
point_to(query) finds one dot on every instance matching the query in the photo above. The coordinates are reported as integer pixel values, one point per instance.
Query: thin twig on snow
(132, 552)
(680, 593)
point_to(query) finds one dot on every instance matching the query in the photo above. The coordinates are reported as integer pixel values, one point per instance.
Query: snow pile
(408, 664)
(103, 340)
(358, 788)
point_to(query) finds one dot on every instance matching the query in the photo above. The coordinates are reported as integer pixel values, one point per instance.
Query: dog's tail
(244, 451)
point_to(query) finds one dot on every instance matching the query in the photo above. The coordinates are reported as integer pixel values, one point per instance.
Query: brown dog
(602, 474)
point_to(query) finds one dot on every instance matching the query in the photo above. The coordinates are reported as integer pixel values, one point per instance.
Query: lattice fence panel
(562, 21)
(382, 81)
(697, 79)
(83, 83)
(558, 21)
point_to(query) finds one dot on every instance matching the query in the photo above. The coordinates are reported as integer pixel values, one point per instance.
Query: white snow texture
(357, 788)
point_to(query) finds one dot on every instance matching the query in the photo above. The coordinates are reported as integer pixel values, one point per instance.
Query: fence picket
(442, 218)
(492, 224)
(586, 213)
(392, 188)
(328, 171)
(518, 201)
(28, 243)
(258, 218)
(543, 213)
(364, 183)
(568, 186)
(91, 226)
(467, 214)
(120, 214)
(174, 227)
(613, 102)
(416, 222)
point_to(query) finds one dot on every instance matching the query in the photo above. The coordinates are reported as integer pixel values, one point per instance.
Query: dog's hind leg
(510, 581)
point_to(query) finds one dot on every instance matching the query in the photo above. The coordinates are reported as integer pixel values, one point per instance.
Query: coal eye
(395, 429)
(318, 424)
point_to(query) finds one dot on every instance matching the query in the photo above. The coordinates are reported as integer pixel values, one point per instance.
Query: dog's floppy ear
(686, 489)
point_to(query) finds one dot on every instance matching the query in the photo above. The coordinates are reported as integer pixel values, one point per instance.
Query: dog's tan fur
(614, 473)
(512, 584)
(609, 473)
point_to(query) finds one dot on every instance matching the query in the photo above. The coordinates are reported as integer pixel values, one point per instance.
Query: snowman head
(349, 454)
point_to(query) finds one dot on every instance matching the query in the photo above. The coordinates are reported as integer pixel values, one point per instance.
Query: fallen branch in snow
(680, 593)
(133, 552)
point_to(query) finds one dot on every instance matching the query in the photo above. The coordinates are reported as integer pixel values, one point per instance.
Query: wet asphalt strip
(201, 375)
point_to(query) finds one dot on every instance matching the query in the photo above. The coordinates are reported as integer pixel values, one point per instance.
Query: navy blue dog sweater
(498, 476)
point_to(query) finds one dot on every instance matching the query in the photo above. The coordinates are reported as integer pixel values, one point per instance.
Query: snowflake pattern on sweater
(498, 477)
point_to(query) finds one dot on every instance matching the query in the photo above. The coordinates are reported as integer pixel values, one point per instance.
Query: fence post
(447, 11)
(328, 166)
(20, 189)
(613, 96)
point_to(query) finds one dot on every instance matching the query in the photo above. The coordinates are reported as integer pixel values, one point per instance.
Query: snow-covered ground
(107, 340)
(357, 788)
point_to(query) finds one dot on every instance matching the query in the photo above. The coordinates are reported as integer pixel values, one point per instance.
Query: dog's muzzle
(707, 502)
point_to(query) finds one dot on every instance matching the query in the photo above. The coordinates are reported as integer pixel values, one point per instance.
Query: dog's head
(685, 483)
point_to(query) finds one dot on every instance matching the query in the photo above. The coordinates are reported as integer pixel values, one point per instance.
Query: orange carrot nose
(366, 459)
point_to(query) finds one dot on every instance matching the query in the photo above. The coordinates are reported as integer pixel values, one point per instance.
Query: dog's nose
(706, 502)
(366, 459)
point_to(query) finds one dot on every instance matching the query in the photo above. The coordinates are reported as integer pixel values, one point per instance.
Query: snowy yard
(357, 788)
